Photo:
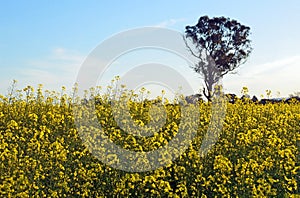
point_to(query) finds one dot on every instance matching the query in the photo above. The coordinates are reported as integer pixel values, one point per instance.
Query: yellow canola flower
(43, 154)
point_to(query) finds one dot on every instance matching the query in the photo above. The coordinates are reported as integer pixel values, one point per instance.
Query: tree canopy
(221, 45)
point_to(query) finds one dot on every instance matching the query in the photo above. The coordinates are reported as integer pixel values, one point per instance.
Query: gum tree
(221, 45)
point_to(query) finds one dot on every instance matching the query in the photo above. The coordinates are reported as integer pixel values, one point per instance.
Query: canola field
(43, 155)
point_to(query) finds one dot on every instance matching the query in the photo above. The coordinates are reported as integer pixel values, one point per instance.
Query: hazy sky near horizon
(47, 41)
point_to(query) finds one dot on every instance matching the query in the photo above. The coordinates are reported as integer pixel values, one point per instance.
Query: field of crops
(43, 155)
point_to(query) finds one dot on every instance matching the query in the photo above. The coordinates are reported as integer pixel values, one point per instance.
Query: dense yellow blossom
(43, 155)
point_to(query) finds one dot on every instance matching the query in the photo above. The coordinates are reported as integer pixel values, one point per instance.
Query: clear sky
(47, 41)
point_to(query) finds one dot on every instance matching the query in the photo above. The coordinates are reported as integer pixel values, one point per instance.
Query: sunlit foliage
(42, 155)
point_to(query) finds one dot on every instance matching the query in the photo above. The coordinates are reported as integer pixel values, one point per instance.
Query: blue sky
(47, 41)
